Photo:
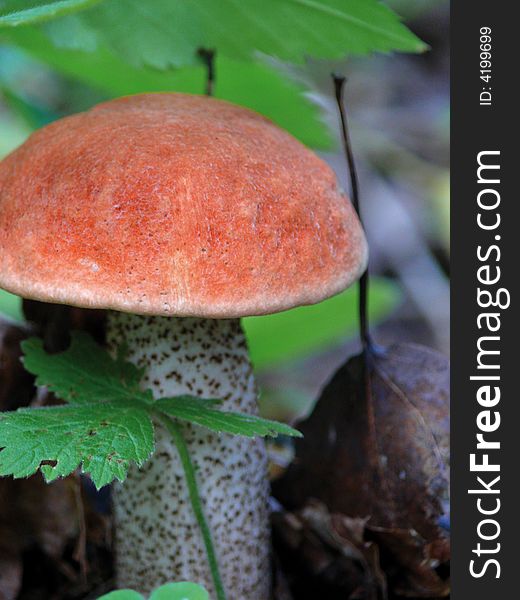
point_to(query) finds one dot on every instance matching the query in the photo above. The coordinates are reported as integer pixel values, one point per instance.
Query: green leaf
(108, 421)
(103, 437)
(14, 132)
(251, 84)
(203, 413)
(301, 331)
(180, 591)
(33, 116)
(105, 426)
(163, 34)
(171, 591)
(23, 12)
(85, 373)
(10, 306)
(121, 595)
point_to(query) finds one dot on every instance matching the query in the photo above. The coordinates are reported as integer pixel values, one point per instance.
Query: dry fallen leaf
(376, 447)
(326, 555)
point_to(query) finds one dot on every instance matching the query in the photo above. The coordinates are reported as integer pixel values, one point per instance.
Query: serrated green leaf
(14, 13)
(103, 437)
(85, 373)
(107, 423)
(251, 84)
(203, 413)
(180, 591)
(163, 34)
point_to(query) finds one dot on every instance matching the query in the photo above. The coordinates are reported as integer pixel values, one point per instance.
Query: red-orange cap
(172, 204)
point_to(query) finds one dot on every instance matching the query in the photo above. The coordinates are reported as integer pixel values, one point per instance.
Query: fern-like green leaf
(85, 372)
(205, 414)
(103, 438)
(164, 34)
(107, 422)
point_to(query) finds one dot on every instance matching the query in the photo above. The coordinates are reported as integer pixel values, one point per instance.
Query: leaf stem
(175, 431)
(364, 330)
(208, 58)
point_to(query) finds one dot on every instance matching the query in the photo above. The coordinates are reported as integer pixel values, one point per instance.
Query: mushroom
(180, 214)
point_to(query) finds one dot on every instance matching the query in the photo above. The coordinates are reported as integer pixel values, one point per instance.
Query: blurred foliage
(32, 115)
(127, 47)
(14, 131)
(284, 403)
(10, 306)
(301, 331)
(254, 85)
(440, 209)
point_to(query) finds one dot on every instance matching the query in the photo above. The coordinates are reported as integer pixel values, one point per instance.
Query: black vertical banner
(485, 295)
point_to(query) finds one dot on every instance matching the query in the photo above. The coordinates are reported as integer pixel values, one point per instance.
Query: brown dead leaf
(416, 575)
(327, 556)
(330, 555)
(376, 447)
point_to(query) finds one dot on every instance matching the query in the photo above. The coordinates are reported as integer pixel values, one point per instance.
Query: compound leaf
(204, 413)
(84, 373)
(252, 84)
(107, 423)
(164, 34)
(103, 437)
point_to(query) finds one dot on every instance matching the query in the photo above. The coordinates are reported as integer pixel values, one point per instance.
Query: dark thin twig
(339, 86)
(208, 57)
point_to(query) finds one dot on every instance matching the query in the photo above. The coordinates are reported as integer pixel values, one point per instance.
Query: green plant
(131, 47)
(108, 422)
(108, 419)
(170, 591)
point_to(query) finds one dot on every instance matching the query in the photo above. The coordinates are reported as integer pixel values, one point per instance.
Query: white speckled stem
(157, 536)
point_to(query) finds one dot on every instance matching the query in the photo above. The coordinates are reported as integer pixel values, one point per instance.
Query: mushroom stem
(157, 535)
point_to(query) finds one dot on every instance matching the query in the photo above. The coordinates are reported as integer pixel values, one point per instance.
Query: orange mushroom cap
(172, 204)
